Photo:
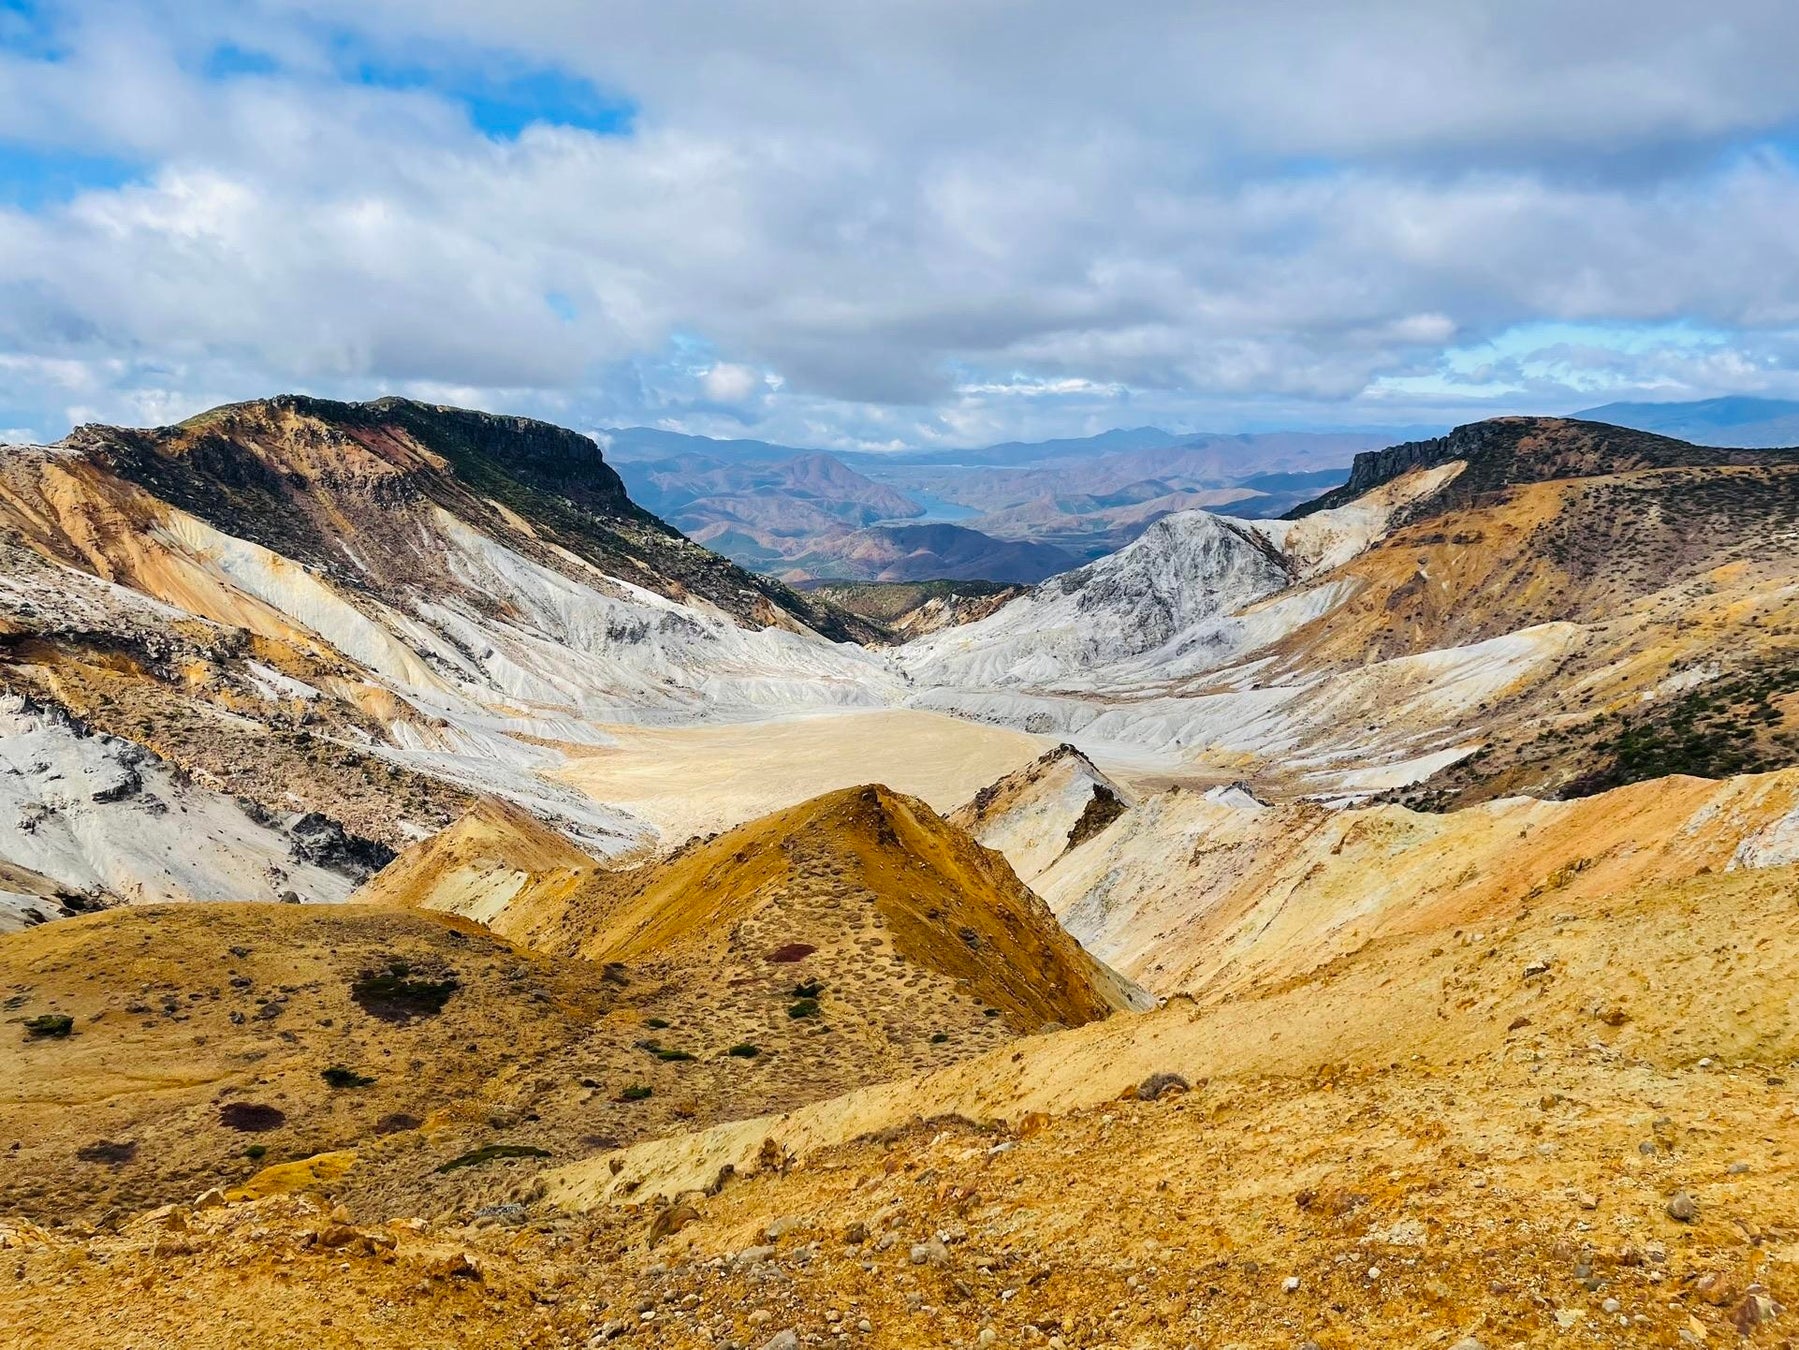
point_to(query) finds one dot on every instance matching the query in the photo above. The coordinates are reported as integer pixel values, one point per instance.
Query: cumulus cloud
(940, 221)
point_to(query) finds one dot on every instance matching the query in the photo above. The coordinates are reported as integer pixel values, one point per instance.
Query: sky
(923, 222)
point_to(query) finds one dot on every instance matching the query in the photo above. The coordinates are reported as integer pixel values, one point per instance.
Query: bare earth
(697, 780)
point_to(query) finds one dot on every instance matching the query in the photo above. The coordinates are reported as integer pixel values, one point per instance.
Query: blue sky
(931, 222)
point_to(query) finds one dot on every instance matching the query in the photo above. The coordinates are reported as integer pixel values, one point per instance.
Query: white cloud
(939, 221)
(726, 383)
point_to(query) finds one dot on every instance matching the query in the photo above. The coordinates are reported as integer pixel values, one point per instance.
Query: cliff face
(296, 474)
(1507, 451)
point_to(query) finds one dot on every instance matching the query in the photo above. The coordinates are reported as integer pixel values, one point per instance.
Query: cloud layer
(895, 223)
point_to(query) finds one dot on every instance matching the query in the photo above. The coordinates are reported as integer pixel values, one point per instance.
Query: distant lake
(935, 510)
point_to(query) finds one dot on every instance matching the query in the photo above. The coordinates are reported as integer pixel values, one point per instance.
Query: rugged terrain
(495, 988)
(909, 609)
(371, 613)
(1369, 927)
(1524, 606)
(1573, 1121)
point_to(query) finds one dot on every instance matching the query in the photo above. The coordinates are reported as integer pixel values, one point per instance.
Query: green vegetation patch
(49, 1026)
(744, 1050)
(1725, 727)
(488, 1152)
(396, 995)
(636, 1093)
(339, 1077)
(805, 1007)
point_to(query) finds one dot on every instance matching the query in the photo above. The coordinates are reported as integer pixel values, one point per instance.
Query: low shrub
(393, 995)
(488, 1152)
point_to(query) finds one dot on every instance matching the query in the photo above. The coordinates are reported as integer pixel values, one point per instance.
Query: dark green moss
(488, 1152)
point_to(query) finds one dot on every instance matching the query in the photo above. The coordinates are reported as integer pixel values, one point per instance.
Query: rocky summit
(441, 903)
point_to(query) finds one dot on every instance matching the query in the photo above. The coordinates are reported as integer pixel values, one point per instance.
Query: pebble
(865, 1326)
(1611, 1305)
(932, 1253)
(761, 1317)
(1467, 1343)
(1290, 1284)
(1738, 1169)
(1682, 1208)
(782, 1340)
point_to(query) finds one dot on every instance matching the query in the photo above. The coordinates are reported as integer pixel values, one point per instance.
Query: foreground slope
(856, 938)
(1205, 889)
(1445, 1134)
(200, 1036)
(908, 929)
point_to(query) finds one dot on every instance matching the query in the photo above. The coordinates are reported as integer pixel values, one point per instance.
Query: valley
(441, 902)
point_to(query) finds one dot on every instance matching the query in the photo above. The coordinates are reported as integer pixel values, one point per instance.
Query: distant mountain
(627, 443)
(927, 552)
(1737, 420)
(787, 512)
(1117, 441)
(799, 499)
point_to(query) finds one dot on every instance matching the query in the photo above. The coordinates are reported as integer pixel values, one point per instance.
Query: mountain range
(1734, 420)
(440, 901)
(1016, 512)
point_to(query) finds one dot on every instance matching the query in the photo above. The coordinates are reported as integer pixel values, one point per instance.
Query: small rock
(1737, 1169)
(782, 1340)
(1402, 1233)
(671, 1221)
(216, 1196)
(1682, 1208)
(1755, 1309)
(761, 1317)
(1467, 1343)
(1153, 1087)
(1611, 1305)
(987, 1337)
(865, 1326)
(856, 1234)
(749, 1256)
(456, 1266)
(337, 1235)
(932, 1253)
(1290, 1284)
(1374, 1272)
